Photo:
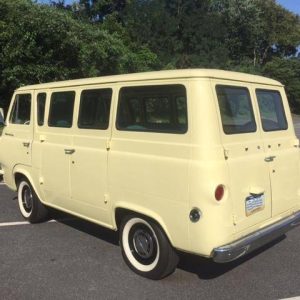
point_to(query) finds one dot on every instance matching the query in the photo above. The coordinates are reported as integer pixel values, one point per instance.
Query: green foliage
(258, 30)
(40, 43)
(182, 33)
(287, 71)
(97, 10)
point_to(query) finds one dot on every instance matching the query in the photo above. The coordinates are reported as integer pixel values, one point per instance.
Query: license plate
(254, 204)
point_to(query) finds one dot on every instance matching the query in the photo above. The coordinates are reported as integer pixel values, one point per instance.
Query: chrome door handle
(26, 144)
(270, 158)
(8, 134)
(69, 151)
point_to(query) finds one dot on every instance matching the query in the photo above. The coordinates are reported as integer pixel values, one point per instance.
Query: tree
(97, 10)
(287, 71)
(40, 43)
(258, 30)
(181, 33)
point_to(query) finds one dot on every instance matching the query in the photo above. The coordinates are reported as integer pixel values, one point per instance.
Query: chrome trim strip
(255, 240)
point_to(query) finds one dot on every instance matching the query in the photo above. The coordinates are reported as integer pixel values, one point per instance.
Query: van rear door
(249, 186)
(282, 152)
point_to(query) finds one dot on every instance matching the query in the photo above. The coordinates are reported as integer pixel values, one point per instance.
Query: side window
(61, 109)
(41, 103)
(271, 110)
(21, 110)
(94, 109)
(160, 108)
(236, 109)
(181, 110)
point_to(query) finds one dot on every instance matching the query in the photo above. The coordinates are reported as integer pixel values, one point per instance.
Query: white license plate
(254, 204)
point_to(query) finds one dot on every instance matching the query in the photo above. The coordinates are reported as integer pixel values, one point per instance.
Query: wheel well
(122, 212)
(18, 178)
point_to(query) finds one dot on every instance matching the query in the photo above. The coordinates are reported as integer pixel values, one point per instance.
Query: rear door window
(271, 110)
(236, 109)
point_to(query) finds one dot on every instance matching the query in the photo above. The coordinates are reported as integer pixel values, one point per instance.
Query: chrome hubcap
(143, 243)
(27, 199)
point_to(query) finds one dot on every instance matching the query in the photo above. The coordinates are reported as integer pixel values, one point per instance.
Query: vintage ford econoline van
(201, 161)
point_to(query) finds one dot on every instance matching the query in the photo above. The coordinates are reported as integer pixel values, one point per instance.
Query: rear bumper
(255, 240)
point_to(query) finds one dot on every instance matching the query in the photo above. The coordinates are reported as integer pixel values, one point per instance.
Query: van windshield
(235, 109)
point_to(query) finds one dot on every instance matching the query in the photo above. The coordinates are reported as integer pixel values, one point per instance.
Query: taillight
(219, 192)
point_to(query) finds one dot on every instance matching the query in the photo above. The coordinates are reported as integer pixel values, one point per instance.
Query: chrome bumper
(255, 240)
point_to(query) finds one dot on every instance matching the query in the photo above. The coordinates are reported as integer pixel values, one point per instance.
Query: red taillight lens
(219, 192)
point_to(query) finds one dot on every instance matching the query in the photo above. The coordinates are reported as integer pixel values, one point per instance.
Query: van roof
(157, 75)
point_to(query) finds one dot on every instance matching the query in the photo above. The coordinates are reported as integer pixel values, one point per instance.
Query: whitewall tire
(145, 248)
(30, 206)
(25, 199)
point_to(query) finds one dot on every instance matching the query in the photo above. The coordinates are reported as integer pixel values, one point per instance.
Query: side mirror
(2, 120)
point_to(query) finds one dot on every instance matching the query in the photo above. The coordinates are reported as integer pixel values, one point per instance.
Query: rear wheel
(146, 249)
(30, 206)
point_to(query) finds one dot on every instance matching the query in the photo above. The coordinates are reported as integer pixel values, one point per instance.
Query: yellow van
(201, 161)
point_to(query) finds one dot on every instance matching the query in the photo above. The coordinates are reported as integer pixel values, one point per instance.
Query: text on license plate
(254, 204)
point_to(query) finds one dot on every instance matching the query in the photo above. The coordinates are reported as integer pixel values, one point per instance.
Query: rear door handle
(69, 151)
(26, 144)
(270, 158)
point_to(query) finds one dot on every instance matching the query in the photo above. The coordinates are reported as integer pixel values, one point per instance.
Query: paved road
(73, 259)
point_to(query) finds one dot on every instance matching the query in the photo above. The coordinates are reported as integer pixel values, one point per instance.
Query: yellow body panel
(160, 175)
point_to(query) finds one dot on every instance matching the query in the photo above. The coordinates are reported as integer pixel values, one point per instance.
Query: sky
(292, 5)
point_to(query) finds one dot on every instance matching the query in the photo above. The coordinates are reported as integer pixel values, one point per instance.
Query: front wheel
(146, 249)
(30, 206)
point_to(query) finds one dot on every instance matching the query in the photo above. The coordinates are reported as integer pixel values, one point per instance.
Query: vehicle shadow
(206, 269)
(87, 227)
